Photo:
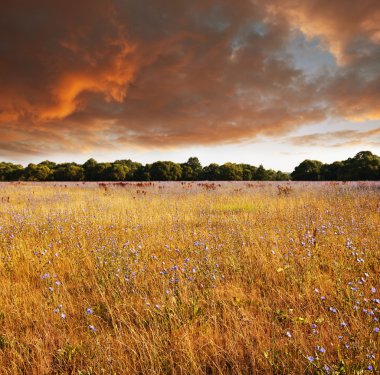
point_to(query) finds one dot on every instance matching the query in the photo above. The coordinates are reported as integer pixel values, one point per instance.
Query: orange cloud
(339, 23)
(99, 75)
(111, 82)
(341, 138)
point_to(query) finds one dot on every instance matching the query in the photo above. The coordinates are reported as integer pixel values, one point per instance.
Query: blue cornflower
(321, 349)
(89, 311)
(311, 358)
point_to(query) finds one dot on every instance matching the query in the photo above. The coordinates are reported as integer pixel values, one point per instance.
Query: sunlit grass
(185, 279)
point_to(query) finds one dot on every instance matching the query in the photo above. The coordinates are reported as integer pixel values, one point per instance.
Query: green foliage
(308, 170)
(191, 170)
(211, 172)
(363, 166)
(69, 172)
(165, 171)
(10, 172)
(231, 172)
(40, 172)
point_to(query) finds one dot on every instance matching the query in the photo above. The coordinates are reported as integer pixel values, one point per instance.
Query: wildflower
(63, 316)
(373, 290)
(369, 368)
(376, 330)
(311, 358)
(343, 324)
(288, 334)
(314, 326)
(93, 329)
(323, 298)
(89, 311)
(321, 349)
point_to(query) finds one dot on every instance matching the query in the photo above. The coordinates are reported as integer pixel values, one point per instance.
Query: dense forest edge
(363, 166)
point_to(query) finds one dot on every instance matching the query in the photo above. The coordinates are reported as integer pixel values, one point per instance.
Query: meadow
(189, 278)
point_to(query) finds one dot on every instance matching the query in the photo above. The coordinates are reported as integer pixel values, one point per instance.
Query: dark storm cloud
(98, 75)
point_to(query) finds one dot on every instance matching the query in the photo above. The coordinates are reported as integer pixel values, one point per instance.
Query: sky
(269, 82)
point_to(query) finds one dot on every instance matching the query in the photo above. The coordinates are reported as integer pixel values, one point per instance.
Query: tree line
(364, 166)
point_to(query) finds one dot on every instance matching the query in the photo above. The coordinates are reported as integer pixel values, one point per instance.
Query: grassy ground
(189, 278)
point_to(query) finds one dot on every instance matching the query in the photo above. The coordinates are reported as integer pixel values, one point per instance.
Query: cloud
(349, 29)
(342, 138)
(104, 75)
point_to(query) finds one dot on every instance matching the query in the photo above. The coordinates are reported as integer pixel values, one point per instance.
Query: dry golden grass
(189, 279)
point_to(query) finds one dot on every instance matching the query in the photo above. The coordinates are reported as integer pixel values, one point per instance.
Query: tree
(10, 172)
(308, 170)
(248, 171)
(231, 172)
(142, 173)
(90, 172)
(132, 167)
(261, 174)
(50, 164)
(281, 176)
(364, 166)
(69, 172)
(165, 171)
(211, 172)
(40, 172)
(115, 172)
(332, 172)
(191, 170)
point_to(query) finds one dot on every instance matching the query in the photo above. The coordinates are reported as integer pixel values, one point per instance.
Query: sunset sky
(269, 81)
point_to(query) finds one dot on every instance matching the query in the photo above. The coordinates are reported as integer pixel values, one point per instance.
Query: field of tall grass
(189, 278)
